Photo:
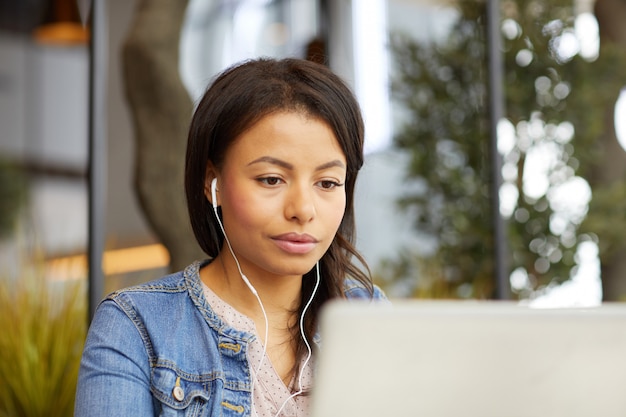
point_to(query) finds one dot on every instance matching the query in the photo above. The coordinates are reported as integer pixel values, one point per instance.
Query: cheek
(231, 193)
(335, 216)
(239, 210)
(245, 210)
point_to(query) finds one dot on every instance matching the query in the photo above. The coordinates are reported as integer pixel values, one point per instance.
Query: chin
(297, 269)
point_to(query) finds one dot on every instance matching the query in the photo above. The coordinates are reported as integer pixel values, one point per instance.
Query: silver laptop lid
(470, 359)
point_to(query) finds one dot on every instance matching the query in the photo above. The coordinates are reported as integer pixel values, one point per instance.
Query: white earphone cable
(252, 289)
(256, 294)
(306, 342)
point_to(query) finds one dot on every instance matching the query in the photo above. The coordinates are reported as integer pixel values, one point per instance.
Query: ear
(211, 173)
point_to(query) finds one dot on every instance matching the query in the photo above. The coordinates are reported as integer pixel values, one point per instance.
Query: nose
(300, 203)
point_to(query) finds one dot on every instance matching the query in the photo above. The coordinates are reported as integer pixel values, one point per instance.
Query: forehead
(287, 134)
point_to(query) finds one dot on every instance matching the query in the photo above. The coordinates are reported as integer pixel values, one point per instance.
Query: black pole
(324, 23)
(496, 112)
(97, 151)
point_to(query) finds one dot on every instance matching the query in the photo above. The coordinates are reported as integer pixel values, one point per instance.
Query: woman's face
(282, 193)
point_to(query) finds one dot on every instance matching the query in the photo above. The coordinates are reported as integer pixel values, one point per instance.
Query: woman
(273, 153)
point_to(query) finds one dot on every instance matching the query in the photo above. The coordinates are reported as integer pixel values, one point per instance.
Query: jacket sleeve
(355, 290)
(114, 377)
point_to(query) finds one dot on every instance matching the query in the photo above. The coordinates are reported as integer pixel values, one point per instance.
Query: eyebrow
(287, 165)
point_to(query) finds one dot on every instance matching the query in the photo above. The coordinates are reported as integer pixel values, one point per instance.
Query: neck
(280, 294)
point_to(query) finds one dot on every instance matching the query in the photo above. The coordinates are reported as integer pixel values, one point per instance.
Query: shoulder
(179, 281)
(167, 293)
(169, 283)
(353, 289)
(165, 312)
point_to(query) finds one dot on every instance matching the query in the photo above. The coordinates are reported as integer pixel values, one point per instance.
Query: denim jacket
(158, 349)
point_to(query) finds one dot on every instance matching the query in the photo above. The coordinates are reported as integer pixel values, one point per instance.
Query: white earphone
(219, 221)
(214, 193)
(256, 294)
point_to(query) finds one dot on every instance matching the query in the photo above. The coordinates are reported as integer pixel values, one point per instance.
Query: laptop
(470, 359)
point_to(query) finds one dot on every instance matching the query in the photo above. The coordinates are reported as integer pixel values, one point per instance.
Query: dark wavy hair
(237, 99)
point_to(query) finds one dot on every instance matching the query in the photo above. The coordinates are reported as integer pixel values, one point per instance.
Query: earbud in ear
(214, 193)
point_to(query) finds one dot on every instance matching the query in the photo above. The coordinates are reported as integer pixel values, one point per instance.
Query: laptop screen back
(470, 359)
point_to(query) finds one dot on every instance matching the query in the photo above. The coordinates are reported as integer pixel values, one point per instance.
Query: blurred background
(421, 72)
(495, 140)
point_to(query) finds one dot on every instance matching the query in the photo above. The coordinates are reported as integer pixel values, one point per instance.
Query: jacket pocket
(179, 393)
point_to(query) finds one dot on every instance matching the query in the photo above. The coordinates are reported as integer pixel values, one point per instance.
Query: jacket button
(178, 393)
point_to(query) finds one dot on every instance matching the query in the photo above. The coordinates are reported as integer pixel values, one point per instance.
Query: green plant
(556, 104)
(13, 195)
(43, 327)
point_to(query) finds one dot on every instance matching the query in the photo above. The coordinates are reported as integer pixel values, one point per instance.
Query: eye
(329, 184)
(270, 181)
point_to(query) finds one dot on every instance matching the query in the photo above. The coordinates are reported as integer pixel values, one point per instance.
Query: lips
(295, 243)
